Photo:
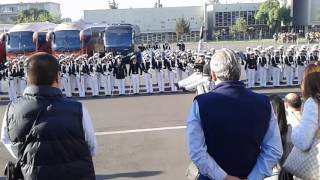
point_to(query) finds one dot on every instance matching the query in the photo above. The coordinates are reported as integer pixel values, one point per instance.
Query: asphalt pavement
(141, 137)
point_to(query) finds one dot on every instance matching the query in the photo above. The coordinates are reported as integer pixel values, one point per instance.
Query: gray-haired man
(232, 132)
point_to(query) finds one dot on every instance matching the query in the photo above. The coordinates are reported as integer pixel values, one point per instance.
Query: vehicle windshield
(67, 41)
(118, 39)
(21, 42)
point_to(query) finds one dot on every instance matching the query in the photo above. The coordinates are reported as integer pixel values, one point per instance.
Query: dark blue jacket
(235, 121)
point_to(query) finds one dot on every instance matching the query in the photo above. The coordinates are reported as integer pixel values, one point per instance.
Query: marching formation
(276, 66)
(155, 70)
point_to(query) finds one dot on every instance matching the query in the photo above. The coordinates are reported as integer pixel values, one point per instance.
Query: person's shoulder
(259, 99)
(310, 103)
(70, 101)
(208, 95)
(258, 96)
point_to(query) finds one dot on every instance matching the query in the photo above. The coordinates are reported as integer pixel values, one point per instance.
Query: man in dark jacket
(232, 132)
(63, 141)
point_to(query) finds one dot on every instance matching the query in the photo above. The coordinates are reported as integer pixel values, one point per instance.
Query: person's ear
(213, 76)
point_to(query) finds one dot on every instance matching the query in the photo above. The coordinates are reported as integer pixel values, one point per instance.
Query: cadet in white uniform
(289, 62)
(263, 63)
(135, 72)
(146, 67)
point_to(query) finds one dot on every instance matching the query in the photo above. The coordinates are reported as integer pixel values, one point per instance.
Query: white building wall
(150, 20)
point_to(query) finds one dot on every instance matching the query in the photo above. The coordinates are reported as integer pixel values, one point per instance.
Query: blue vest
(58, 150)
(235, 121)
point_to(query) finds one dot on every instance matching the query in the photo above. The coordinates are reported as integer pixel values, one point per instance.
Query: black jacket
(59, 150)
(120, 71)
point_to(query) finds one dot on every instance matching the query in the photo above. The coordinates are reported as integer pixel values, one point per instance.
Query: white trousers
(93, 83)
(289, 75)
(171, 81)
(263, 76)
(65, 82)
(1, 88)
(251, 77)
(12, 90)
(22, 84)
(135, 82)
(257, 74)
(148, 82)
(276, 76)
(160, 80)
(300, 70)
(73, 82)
(269, 73)
(121, 86)
(106, 84)
(81, 86)
(179, 75)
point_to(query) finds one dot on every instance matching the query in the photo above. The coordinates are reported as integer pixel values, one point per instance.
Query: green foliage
(271, 12)
(182, 27)
(285, 15)
(36, 15)
(239, 27)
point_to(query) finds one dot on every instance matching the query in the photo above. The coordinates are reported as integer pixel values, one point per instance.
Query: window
(251, 20)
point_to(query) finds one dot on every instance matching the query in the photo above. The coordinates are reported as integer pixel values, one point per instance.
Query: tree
(36, 15)
(285, 15)
(239, 27)
(271, 12)
(113, 4)
(182, 27)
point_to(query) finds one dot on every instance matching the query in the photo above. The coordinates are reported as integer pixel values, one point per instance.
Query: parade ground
(141, 137)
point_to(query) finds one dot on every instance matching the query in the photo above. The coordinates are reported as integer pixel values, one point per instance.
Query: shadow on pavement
(139, 174)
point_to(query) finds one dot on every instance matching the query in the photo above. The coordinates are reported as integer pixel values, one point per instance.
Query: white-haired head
(225, 66)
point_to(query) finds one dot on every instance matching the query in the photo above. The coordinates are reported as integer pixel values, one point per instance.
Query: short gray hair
(225, 64)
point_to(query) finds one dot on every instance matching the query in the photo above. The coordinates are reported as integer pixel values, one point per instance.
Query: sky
(74, 8)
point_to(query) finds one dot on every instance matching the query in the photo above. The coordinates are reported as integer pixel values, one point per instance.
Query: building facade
(222, 16)
(306, 14)
(9, 12)
(156, 24)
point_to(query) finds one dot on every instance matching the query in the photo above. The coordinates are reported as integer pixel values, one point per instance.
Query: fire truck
(76, 38)
(27, 38)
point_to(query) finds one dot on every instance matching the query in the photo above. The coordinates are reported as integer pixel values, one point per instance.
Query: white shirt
(303, 135)
(87, 128)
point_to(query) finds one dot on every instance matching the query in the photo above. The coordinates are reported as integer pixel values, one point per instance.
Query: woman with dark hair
(285, 132)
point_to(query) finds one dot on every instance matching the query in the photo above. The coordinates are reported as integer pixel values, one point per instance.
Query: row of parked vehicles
(67, 38)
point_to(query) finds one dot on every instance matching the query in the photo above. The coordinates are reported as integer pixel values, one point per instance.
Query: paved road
(128, 148)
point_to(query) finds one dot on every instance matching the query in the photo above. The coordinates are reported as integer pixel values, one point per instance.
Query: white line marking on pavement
(139, 130)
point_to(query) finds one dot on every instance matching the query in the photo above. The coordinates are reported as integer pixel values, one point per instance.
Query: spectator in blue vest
(232, 132)
(60, 139)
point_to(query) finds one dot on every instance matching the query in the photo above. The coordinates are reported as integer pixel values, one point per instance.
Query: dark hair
(294, 102)
(280, 112)
(42, 69)
(310, 86)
